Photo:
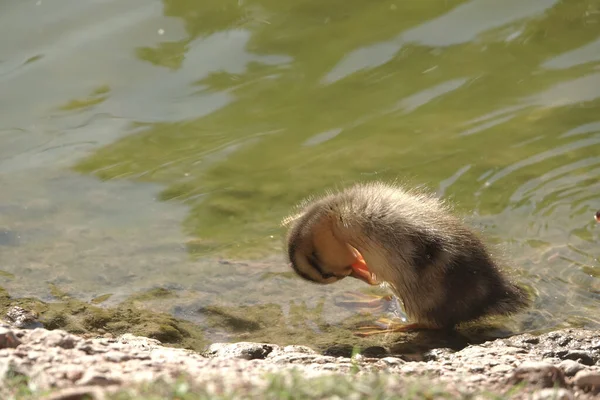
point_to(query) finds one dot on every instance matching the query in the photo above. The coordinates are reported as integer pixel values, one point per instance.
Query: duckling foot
(385, 325)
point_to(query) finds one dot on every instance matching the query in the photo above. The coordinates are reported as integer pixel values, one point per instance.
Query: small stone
(437, 354)
(552, 394)
(298, 349)
(243, 350)
(374, 352)
(73, 374)
(330, 367)
(391, 361)
(565, 341)
(475, 378)
(23, 319)
(531, 340)
(502, 368)
(96, 378)
(570, 367)
(91, 348)
(139, 341)
(538, 373)
(294, 358)
(53, 338)
(8, 339)
(116, 356)
(588, 380)
(581, 356)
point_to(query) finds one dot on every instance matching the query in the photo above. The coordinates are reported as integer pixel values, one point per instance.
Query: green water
(148, 144)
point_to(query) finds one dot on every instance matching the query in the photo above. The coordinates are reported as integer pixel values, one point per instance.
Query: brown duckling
(597, 216)
(379, 233)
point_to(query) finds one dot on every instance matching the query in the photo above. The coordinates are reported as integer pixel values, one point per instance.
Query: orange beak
(360, 270)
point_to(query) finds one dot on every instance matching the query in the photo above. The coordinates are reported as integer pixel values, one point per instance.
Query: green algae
(78, 317)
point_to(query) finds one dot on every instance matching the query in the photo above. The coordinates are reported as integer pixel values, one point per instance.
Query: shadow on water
(157, 146)
(418, 346)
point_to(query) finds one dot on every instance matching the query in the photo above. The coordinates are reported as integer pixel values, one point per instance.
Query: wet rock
(21, 318)
(375, 351)
(243, 350)
(8, 339)
(538, 373)
(570, 367)
(581, 356)
(435, 354)
(528, 339)
(552, 394)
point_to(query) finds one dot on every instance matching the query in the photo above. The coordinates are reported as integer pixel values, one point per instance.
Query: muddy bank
(58, 365)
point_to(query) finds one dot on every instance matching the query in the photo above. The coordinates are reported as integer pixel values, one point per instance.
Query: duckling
(381, 233)
(597, 216)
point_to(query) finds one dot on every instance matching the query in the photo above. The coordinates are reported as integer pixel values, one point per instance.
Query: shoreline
(54, 364)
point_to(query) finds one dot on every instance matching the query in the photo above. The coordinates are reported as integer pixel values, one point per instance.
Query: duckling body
(437, 266)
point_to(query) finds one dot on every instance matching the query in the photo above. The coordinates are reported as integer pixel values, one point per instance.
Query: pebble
(538, 373)
(570, 367)
(587, 380)
(8, 339)
(581, 356)
(96, 378)
(243, 350)
(116, 356)
(502, 368)
(390, 361)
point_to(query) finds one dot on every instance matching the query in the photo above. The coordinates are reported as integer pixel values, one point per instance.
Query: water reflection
(446, 30)
(159, 145)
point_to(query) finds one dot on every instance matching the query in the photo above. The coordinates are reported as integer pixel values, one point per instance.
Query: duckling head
(317, 252)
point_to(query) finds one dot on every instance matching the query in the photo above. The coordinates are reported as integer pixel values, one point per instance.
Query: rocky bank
(57, 365)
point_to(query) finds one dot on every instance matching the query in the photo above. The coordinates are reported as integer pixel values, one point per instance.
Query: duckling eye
(313, 260)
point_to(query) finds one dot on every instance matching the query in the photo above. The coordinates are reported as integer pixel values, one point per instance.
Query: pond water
(149, 144)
